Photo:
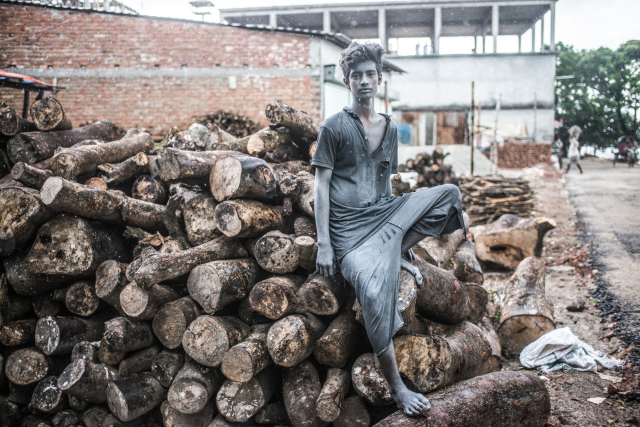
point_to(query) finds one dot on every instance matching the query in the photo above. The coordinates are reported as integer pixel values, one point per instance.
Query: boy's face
(364, 80)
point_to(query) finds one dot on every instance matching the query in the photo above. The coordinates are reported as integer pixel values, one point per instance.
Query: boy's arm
(326, 260)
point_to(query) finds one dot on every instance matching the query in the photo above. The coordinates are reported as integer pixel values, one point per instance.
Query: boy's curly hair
(360, 52)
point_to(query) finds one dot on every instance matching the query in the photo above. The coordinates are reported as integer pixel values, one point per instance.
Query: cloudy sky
(585, 24)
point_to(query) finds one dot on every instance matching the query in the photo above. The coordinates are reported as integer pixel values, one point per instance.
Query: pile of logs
(431, 169)
(486, 198)
(178, 288)
(233, 123)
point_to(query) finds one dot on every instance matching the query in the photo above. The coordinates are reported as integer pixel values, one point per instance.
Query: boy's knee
(453, 191)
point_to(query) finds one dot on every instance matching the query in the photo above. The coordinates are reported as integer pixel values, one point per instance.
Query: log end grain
(369, 382)
(26, 366)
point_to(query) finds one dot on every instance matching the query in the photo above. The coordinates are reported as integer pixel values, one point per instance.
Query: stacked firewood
(431, 169)
(233, 123)
(488, 197)
(178, 288)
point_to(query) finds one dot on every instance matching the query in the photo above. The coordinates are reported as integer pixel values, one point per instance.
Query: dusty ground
(571, 275)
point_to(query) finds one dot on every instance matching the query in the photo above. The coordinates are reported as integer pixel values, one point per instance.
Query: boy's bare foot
(413, 404)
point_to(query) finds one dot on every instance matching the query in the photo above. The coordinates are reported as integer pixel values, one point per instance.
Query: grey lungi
(373, 268)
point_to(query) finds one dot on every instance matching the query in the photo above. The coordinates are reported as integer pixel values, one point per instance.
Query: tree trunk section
(97, 182)
(343, 335)
(323, 296)
(439, 250)
(354, 413)
(172, 320)
(12, 123)
(525, 313)
(274, 414)
(132, 397)
(199, 219)
(250, 316)
(369, 382)
(303, 199)
(301, 388)
(30, 176)
(110, 281)
(276, 297)
(150, 216)
(193, 388)
(276, 252)
(291, 340)
(124, 334)
(149, 190)
(138, 362)
(239, 401)
(58, 335)
(29, 365)
(77, 199)
(307, 251)
(143, 304)
(247, 218)
(108, 355)
(44, 305)
(208, 338)
(94, 416)
(118, 173)
(300, 124)
(265, 140)
(478, 299)
(12, 306)
(173, 418)
(293, 168)
(18, 332)
(494, 363)
(464, 264)
(500, 399)
(48, 397)
(81, 299)
(32, 147)
(219, 283)
(166, 366)
(85, 350)
(336, 387)
(47, 114)
(87, 380)
(188, 167)
(241, 176)
(248, 358)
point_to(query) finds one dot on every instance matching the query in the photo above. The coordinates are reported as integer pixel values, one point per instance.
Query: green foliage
(604, 96)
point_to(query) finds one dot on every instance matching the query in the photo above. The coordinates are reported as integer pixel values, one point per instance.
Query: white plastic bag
(561, 349)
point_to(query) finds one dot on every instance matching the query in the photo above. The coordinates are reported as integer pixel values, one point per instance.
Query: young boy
(360, 226)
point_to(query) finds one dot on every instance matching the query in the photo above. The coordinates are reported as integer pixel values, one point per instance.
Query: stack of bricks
(518, 155)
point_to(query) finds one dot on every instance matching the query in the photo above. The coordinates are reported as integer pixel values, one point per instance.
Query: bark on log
(199, 219)
(300, 124)
(193, 388)
(85, 350)
(132, 397)
(166, 366)
(47, 114)
(30, 176)
(324, 296)
(125, 334)
(500, 399)
(293, 168)
(284, 153)
(291, 340)
(97, 182)
(494, 362)
(118, 173)
(246, 359)
(111, 421)
(336, 387)
(301, 388)
(138, 362)
(277, 297)
(18, 332)
(274, 414)
(442, 297)
(354, 413)
(94, 416)
(149, 189)
(432, 362)
(87, 380)
(109, 356)
(250, 316)
(150, 216)
(239, 401)
(12, 306)
(303, 199)
(307, 251)
(247, 218)
(73, 162)
(80, 299)
(219, 283)
(172, 320)
(525, 313)
(208, 338)
(369, 382)
(143, 304)
(464, 264)
(219, 137)
(221, 421)
(58, 335)
(343, 335)
(173, 418)
(44, 305)
(12, 123)
(21, 394)
(242, 176)
(438, 251)
(156, 267)
(48, 397)
(478, 299)
(29, 365)
(510, 239)
(110, 281)
(65, 196)
(276, 252)
(32, 147)
(265, 140)
(188, 167)
(77, 404)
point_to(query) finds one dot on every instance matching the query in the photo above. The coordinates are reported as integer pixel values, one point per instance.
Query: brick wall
(47, 38)
(518, 155)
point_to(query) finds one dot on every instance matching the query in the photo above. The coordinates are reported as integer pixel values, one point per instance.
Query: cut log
(30, 176)
(241, 176)
(32, 147)
(303, 198)
(172, 320)
(209, 338)
(510, 239)
(354, 413)
(188, 167)
(58, 335)
(307, 251)
(94, 416)
(173, 418)
(246, 359)
(500, 399)
(442, 298)
(108, 356)
(291, 340)
(478, 299)
(111, 421)
(525, 313)
(138, 362)
(87, 380)
(21, 394)
(300, 124)
(301, 388)
(343, 335)
(276, 252)
(221, 421)
(97, 182)
(12, 123)
(77, 404)
(250, 316)
(293, 168)
(274, 414)
(48, 397)
(44, 305)
(110, 280)
(132, 397)
(149, 189)
(166, 366)
(85, 350)
(125, 334)
(29, 365)
(149, 216)
(156, 267)
(433, 362)
(218, 283)
(494, 362)
(277, 297)
(12, 306)
(193, 388)
(80, 298)
(324, 296)
(464, 264)
(143, 304)
(369, 382)
(21, 213)
(47, 114)
(118, 173)
(333, 392)
(239, 401)
(90, 202)
(247, 218)
(416, 326)
(439, 250)
(199, 219)
(265, 140)
(18, 332)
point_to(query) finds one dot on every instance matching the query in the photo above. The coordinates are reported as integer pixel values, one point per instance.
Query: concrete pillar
(106, 4)
(326, 21)
(552, 42)
(542, 34)
(533, 38)
(437, 30)
(382, 28)
(475, 43)
(495, 28)
(87, 4)
(519, 43)
(273, 20)
(484, 43)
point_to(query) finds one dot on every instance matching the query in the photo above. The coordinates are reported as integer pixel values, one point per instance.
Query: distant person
(574, 148)
(557, 148)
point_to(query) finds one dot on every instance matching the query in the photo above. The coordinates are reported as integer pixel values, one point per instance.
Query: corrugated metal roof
(98, 6)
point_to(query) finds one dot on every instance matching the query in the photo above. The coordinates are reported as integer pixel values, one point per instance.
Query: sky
(585, 24)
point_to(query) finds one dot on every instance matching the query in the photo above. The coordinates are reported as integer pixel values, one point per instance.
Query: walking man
(574, 148)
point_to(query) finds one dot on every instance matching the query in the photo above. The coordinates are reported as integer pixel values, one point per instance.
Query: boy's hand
(413, 270)
(326, 261)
